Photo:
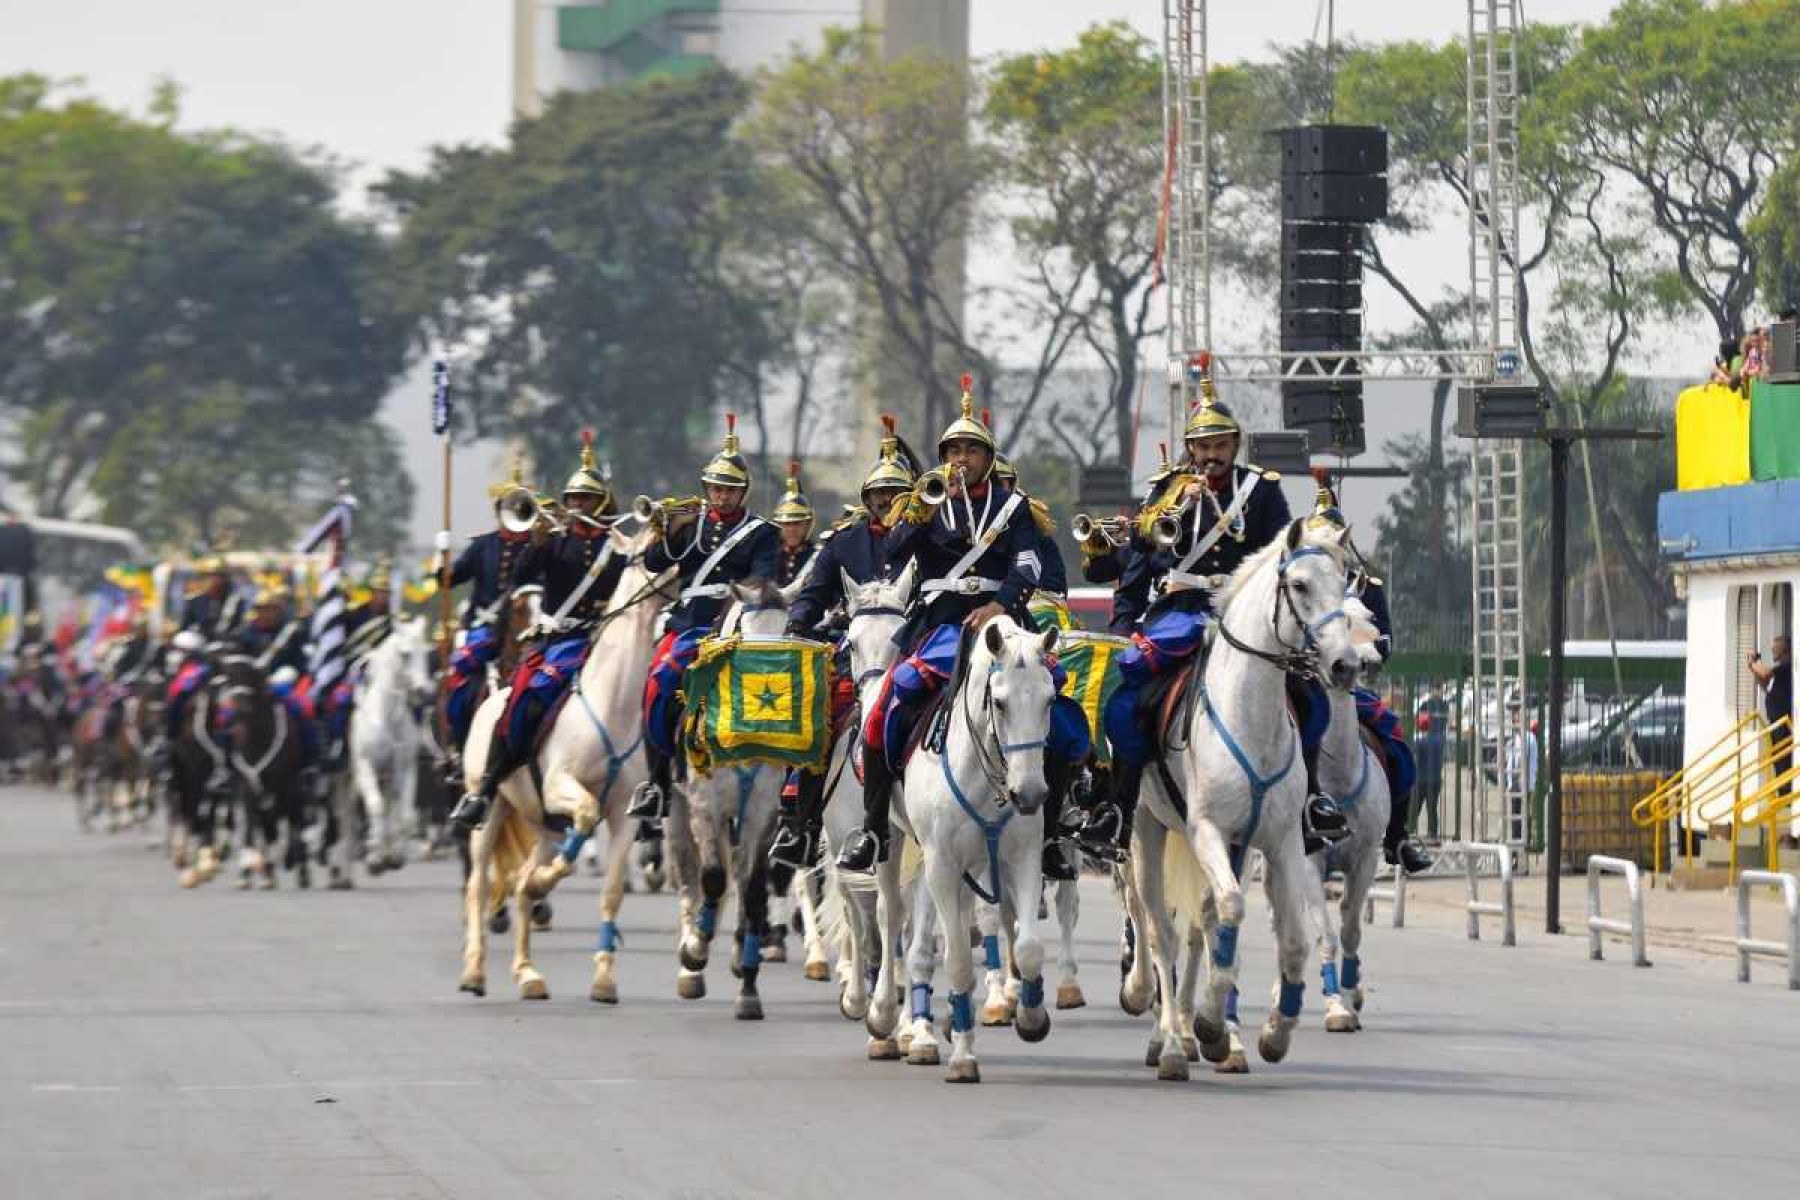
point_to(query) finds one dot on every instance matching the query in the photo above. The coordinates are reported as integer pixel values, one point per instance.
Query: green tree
(583, 273)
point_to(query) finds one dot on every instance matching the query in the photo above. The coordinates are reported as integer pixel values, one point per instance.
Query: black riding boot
(1321, 821)
(651, 800)
(1399, 849)
(869, 845)
(1059, 863)
(472, 809)
(1107, 831)
(796, 842)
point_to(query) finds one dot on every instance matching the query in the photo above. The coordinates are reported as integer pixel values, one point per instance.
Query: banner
(758, 702)
(1090, 661)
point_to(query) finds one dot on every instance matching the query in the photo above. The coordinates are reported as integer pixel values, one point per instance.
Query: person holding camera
(1777, 683)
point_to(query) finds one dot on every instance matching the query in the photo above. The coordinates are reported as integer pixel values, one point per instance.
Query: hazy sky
(377, 82)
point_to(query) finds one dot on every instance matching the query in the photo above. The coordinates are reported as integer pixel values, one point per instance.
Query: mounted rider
(727, 545)
(214, 609)
(489, 564)
(794, 519)
(1371, 711)
(367, 623)
(579, 571)
(1103, 557)
(854, 550)
(976, 545)
(277, 640)
(1211, 515)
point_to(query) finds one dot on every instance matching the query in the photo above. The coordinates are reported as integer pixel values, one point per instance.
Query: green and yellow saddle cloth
(757, 701)
(1091, 664)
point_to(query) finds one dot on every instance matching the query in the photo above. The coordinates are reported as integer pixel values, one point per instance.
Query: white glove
(443, 541)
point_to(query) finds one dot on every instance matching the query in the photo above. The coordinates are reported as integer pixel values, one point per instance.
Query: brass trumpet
(520, 512)
(1113, 531)
(658, 513)
(1160, 522)
(933, 487)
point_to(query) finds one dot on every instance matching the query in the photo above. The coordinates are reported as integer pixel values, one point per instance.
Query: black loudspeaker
(1357, 198)
(1330, 414)
(1334, 150)
(1321, 237)
(1784, 352)
(1309, 293)
(1345, 326)
(1104, 489)
(1500, 411)
(1341, 268)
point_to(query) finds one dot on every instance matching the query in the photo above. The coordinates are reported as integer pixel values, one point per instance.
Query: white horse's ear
(1051, 636)
(851, 590)
(791, 592)
(743, 594)
(908, 579)
(994, 637)
(1293, 537)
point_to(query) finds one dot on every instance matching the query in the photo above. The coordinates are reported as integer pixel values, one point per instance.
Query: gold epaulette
(852, 514)
(908, 508)
(1271, 476)
(1040, 512)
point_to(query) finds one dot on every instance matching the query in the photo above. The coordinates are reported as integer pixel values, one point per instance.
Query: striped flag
(328, 658)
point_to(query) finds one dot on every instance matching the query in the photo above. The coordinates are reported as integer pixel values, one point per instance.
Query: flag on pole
(328, 633)
(440, 396)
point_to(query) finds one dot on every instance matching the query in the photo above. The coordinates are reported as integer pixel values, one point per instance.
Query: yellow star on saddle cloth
(768, 697)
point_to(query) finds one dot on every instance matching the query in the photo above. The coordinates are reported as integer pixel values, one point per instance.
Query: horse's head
(413, 645)
(759, 609)
(242, 688)
(1016, 705)
(877, 611)
(1363, 632)
(1311, 609)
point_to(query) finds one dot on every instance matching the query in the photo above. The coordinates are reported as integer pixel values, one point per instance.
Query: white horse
(1244, 784)
(385, 735)
(975, 802)
(588, 762)
(719, 831)
(1351, 771)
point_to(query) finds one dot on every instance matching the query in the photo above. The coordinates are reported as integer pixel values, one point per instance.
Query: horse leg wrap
(571, 846)
(609, 937)
(962, 1013)
(1352, 972)
(708, 921)
(1328, 976)
(1289, 1003)
(1231, 999)
(1225, 947)
(921, 1001)
(990, 945)
(1031, 993)
(712, 884)
(751, 957)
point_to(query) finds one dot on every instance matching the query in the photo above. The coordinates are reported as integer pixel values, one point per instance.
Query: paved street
(223, 1044)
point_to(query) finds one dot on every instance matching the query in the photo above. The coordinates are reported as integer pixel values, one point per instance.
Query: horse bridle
(1297, 660)
(993, 765)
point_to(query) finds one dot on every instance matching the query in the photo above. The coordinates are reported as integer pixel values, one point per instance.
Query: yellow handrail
(1718, 771)
(1776, 798)
(1657, 805)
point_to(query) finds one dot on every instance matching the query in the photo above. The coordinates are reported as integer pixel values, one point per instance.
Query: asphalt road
(214, 1043)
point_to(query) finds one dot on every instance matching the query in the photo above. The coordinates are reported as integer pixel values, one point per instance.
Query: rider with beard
(1225, 514)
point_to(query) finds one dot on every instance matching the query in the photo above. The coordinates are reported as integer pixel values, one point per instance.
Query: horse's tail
(912, 863)
(514, 849)
(1184, 880)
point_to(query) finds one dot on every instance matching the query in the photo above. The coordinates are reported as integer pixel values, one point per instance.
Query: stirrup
(649, 802)
(1057, 865)
(793, 848)
(861, 852)
(1101, 834)
(1408, 856)
(470, 811)
(1321, 818)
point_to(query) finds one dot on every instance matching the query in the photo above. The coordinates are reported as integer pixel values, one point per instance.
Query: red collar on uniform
(877, 528)
(587, 531)
(978, 491)
(507, 535)
(724, 516)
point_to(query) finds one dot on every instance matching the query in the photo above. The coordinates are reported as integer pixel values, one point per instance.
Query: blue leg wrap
(609, 936)
(1225, 947)
(1231, 998)
(991, 945)
(709, 920)
(962, 1013)
(571, 846)
(1352, 972)
(1031, 993)
(921, 1000)
(751, 958)
(1289, 1004)
(1328, 976)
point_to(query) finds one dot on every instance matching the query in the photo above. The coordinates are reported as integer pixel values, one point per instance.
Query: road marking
(330, 1085)
(75, 1087)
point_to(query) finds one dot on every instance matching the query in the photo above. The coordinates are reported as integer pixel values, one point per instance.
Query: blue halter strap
(1260, 785)
(1309, 631)
(1349, 803)
(990, 832)
(615, 764)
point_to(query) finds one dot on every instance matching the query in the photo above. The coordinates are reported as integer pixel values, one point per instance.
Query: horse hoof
(775, 952)
(997, 1014)
(541, 914)
(474, 983)
(852, 1010)
(1153, 1052)
(1339, 1019)
(880, 1022)
(922, 1053)
(267, 882)
(500, 922)
(534, 989)
(905, 1039)
(374, 866)
(883, 1049)
(691, 987)
(1131, 1006)
(190, 878)
(654, 880)
(1069, 996)
(1233, 1064)
(604, 991)
(342, 883)
(1028, 1028)
(1172, 1068)
(690, 960)
(967, 1071)
(749, 1008)
(1272, 1046)
(1356, 999)
(817, 971)
(1215, 1051)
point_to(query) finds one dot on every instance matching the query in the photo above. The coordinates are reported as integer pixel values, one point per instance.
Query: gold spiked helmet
(967, 427)
(891, 470)
(589, 479)
(728, 467)
(1209, 418)
(795, 508)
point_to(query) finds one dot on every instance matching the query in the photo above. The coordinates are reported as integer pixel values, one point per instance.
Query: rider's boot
(1107, 831)
(472, 809)
(1400, 850)
(796, 842)
(1321, 820)
(651, 800)
(1058, 858)
(869, 845)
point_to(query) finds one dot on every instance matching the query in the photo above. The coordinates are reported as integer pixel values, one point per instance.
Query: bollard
(1597, 865)
(1747, 945)
(1397, 894)
(1473, 853)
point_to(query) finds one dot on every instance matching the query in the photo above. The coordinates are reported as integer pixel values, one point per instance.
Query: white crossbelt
(1182, 574)
(700, 589)
(957, 578)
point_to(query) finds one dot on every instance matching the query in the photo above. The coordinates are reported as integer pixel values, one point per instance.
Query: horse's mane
(1240, 578)
(636, 583)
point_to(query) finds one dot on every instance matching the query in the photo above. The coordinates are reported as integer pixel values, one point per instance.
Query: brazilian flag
(758, 701)
(1091, 663)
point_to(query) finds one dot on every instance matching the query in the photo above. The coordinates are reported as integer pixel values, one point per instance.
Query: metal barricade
(1747, 945)
(1597, 865)
(1473, 853)
(1397, 894)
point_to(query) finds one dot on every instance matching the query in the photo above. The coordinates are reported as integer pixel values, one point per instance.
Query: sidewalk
(1703, 921)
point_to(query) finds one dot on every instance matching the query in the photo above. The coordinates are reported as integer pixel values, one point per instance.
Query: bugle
(520, 511)
(1111, 530)
(657, 513)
